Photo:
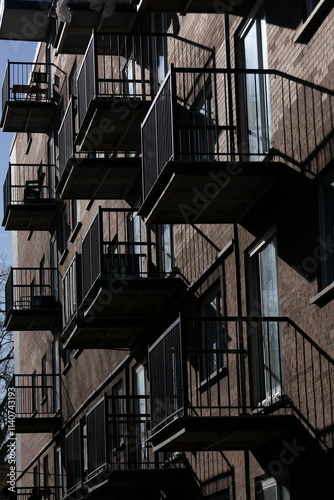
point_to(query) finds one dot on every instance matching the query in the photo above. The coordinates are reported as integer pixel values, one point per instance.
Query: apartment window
(269, 489)
(310, 5)
(44, 379)
(135, 239)
(327, 233)
(42, 283)
(54, 265)
(264, 302)
(46, 472)
(75, 213)
(73, 457)
(213, 336)
(51, 170)
(204, 131)
(160, 51)
(35, 475)
(119, 430)
(34, 393)
(130, 76)
(254, 89)
(96, 437)
(64, 229)
(72, 81)
(66, 356)
(141, 411)
(56, 378)
(166, 246)
(58, 474)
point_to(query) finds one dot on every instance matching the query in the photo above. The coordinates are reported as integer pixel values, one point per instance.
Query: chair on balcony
(33, 188)
(32, 90)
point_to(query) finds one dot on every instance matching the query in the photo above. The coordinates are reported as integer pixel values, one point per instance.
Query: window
(73, 457)
(46, 472)
(135, 248)
(255, 117)
(75, 213)
(44, 379)
(160, 51)
(34, 395)
(51, 181)
(70, 290)
(64, 229)
(72, 81)
(265, 339)
(54, 265)
(327, 233)
(58, 474)
(140, 387)
(213, 337)
(269, 489)
(35, 474)
(96, 437)
(130, 77)
(42, 283)
(119, 430)
(204, 130)
(310, 6)
(166, 246)
(56, 378)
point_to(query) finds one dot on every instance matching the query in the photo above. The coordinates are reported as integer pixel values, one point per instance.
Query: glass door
(265, 335)
(256, 118)
(140, 381)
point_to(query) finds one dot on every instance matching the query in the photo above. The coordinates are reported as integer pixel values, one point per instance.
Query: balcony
(119, 461)
(212, 391)
(36, 404)
(24, 20)
(76, 21)
(120, 287)
(31, 299)
(237, 8)
(117, 81)
(30, 94)
(29, 197)
(215, 141)
(94, 175)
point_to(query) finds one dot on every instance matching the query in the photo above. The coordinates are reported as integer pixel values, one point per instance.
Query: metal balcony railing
(32, 82)
(131, 67)
(36, 395)
(229, 366)
(234, 116)
(111, 251)
(30, 288)
(117, 432)
(68, 152)
(29, 183)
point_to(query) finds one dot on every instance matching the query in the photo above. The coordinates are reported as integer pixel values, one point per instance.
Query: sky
(13, 51)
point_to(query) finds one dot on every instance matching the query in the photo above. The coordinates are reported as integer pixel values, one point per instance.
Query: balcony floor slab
(242, 432)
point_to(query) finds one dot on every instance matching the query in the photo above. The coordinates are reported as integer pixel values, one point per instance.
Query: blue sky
(20, 52)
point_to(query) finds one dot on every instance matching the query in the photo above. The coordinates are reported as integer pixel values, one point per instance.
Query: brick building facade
(170, 193)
